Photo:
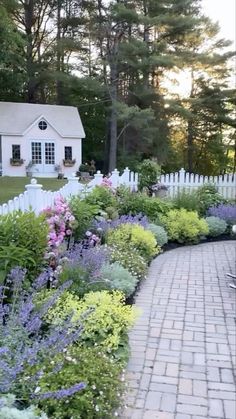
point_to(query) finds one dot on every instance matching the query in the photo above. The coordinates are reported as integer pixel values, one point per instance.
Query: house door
(43, 156)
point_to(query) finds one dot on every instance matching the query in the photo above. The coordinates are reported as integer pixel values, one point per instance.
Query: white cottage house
(40, 138)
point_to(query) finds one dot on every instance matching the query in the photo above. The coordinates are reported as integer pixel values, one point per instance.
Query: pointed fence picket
(36, 199)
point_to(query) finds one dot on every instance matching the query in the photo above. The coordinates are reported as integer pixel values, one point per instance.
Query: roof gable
(18, 118)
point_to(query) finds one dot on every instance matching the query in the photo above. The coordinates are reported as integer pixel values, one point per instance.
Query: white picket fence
(37, 199)
(182, 180)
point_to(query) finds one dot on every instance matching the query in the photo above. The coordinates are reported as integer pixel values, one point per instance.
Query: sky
(223, 11)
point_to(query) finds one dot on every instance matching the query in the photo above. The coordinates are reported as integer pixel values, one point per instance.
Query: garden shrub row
(88, 256)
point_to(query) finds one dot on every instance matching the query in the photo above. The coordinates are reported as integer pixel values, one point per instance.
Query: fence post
(35, 196)
(125, 176)
(115, 178)
(181, 177)
(97, 178)
(73, 184)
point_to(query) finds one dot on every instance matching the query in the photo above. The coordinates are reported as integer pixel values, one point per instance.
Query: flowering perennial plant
(226, 212)
(104, 225)
(60, 221)
(106, 182)
(24, 342)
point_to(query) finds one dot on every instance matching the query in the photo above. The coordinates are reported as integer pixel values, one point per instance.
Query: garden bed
(89, 257)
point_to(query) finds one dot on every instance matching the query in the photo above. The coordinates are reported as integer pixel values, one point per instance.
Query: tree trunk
(59, 87)
(29, 21)
(113, 118)
(190, 131)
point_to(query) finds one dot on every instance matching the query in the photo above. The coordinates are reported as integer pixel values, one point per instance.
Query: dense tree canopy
(112, 59)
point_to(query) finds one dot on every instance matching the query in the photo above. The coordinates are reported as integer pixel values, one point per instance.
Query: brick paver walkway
(183, 344)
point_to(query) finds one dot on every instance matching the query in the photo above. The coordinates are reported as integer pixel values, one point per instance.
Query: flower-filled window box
(69, 163)
(16, 162)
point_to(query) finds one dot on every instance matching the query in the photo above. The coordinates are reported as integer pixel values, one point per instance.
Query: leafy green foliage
(136, 203)
(149, 171)
(136, 237)
(104, 316)
(102, 197)
(84, 213)
(159, 233)
(187, 199)
(119, 278)
(28, 231)
(216, 226)
(183, 226)
(129, 259)
(208, 196)
(100, 373)
(12, 256)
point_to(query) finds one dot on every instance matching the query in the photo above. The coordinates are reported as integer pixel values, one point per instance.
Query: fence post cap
(182, 169)
(33, 181)
(98, 172)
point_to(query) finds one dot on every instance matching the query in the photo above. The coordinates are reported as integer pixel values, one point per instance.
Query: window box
(69, 163)
(16, 162)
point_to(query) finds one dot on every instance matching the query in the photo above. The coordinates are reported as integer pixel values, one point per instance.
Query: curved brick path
(183, 344)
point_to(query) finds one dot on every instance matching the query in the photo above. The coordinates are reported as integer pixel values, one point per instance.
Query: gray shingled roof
(16, 118)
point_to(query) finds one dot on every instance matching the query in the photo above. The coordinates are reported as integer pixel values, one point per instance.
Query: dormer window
(43, 125)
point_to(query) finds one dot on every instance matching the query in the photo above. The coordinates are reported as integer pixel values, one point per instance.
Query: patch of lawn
(14, 186)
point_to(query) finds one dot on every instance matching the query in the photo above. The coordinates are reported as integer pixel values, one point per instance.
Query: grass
(13, 186)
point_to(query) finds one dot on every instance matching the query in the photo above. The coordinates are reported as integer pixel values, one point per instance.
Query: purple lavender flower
(90, 260)
(105, 225)
(226, 212)
(22, 340)
(60, 394)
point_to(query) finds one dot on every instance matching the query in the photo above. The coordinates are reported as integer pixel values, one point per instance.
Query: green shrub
(9, 411)
(208, 196)
(136, 203)
(216, 226)
(183, 226)
(159, 233)
(188, 200)
(79, 277)
(131, 260)
(28, 231)
(105, 318)
(119, 278)
(136, 237)
(12, 256)
(101, 197)
(84, 214)
(102, 394)
(149, 171)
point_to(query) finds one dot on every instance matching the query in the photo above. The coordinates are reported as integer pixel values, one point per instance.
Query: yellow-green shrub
(184, 226)
(104, 317)
(134, 236)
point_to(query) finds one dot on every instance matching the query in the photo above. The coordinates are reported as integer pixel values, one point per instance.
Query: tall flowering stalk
(61, 222)
(24, 341)
(103, 225)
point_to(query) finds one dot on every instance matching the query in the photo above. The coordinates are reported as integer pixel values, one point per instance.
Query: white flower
(94, 387)
(97, 408)
(37, 390)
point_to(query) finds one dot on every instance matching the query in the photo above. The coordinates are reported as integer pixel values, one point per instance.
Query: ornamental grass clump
(216, 226)
(184, 226)
(135, 237)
